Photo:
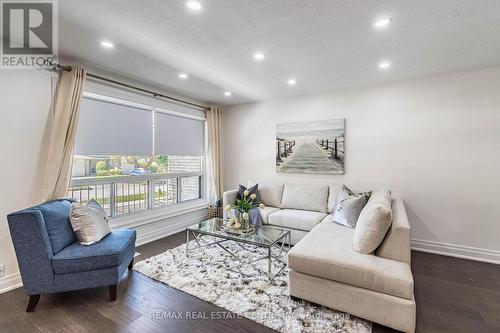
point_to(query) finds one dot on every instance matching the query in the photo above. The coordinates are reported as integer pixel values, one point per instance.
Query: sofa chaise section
(326, 270)
(387, 310)
(326, 252)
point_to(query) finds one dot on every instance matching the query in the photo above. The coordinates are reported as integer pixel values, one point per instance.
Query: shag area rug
(215, 276)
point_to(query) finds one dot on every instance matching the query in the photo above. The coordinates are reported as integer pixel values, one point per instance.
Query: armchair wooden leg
(131, 264)
(113, 291)
(32, 303)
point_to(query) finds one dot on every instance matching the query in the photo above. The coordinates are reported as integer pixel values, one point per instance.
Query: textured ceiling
(324, 44)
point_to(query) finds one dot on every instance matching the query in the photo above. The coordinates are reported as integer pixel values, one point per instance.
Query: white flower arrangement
(243, 206)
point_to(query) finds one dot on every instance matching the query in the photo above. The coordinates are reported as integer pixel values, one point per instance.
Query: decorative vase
(245, 224)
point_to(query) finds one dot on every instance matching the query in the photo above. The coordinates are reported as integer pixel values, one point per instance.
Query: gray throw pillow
(348, 207)
(251, 190)
(89, 222)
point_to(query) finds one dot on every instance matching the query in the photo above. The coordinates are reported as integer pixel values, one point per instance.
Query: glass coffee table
(274, 240)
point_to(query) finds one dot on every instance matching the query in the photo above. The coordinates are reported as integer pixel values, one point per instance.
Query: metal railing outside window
(122, 195)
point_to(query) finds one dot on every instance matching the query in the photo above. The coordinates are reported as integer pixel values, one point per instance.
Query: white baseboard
(9, 282)
(458, 251)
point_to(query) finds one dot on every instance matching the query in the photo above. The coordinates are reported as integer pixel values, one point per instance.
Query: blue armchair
(51, 260)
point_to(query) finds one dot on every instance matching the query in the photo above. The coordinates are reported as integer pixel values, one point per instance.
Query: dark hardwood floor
(452, 295)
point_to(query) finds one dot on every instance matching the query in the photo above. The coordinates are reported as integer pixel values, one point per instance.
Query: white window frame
(151, 210)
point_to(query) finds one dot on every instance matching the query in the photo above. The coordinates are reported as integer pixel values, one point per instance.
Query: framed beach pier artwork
(311, 147)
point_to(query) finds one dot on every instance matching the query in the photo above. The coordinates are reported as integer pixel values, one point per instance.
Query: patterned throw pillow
(367, 195)
(252, 190)
(348, 207)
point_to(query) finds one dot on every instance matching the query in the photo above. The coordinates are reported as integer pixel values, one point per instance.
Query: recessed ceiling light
(259, 56)
(384, 65)
(227, 93)
(107, 44)
(291, 82)
(382, 22)
(183, 76)
(193, 5)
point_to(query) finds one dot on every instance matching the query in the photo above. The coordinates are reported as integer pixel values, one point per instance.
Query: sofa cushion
(306, 197)
(296, 219)
(327, 252)
(270, 194)
(56, 217)
(266, 211)
(110, 252)
(373, 222)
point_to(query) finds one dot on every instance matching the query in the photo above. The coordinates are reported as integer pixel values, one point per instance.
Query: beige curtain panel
(66, 108)
(214, 129)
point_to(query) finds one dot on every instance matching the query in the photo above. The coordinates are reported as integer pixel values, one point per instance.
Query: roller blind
(111, 129)
(176, 135)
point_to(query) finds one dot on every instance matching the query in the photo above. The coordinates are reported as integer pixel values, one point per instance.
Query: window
(133, 157)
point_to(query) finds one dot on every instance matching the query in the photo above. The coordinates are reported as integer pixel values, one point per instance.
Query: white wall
(25, 102)
(25, 99)
(435, 142)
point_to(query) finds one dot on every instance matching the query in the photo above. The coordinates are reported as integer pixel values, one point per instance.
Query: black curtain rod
(155, 94)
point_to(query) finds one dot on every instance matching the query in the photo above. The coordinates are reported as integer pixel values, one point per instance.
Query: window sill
(155, 215)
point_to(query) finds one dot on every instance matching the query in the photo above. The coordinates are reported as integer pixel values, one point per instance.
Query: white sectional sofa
(324, 267)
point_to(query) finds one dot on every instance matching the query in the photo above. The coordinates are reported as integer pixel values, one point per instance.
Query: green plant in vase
(241, 208)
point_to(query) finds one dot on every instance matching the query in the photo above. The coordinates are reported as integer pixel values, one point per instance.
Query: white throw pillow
(305, 197)
(348, 207)
(89, 222)
(373, 222)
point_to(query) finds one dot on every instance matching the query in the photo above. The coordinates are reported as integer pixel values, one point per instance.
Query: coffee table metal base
(201, 242)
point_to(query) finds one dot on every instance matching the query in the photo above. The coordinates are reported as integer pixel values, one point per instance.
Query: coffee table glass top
(264, 236)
